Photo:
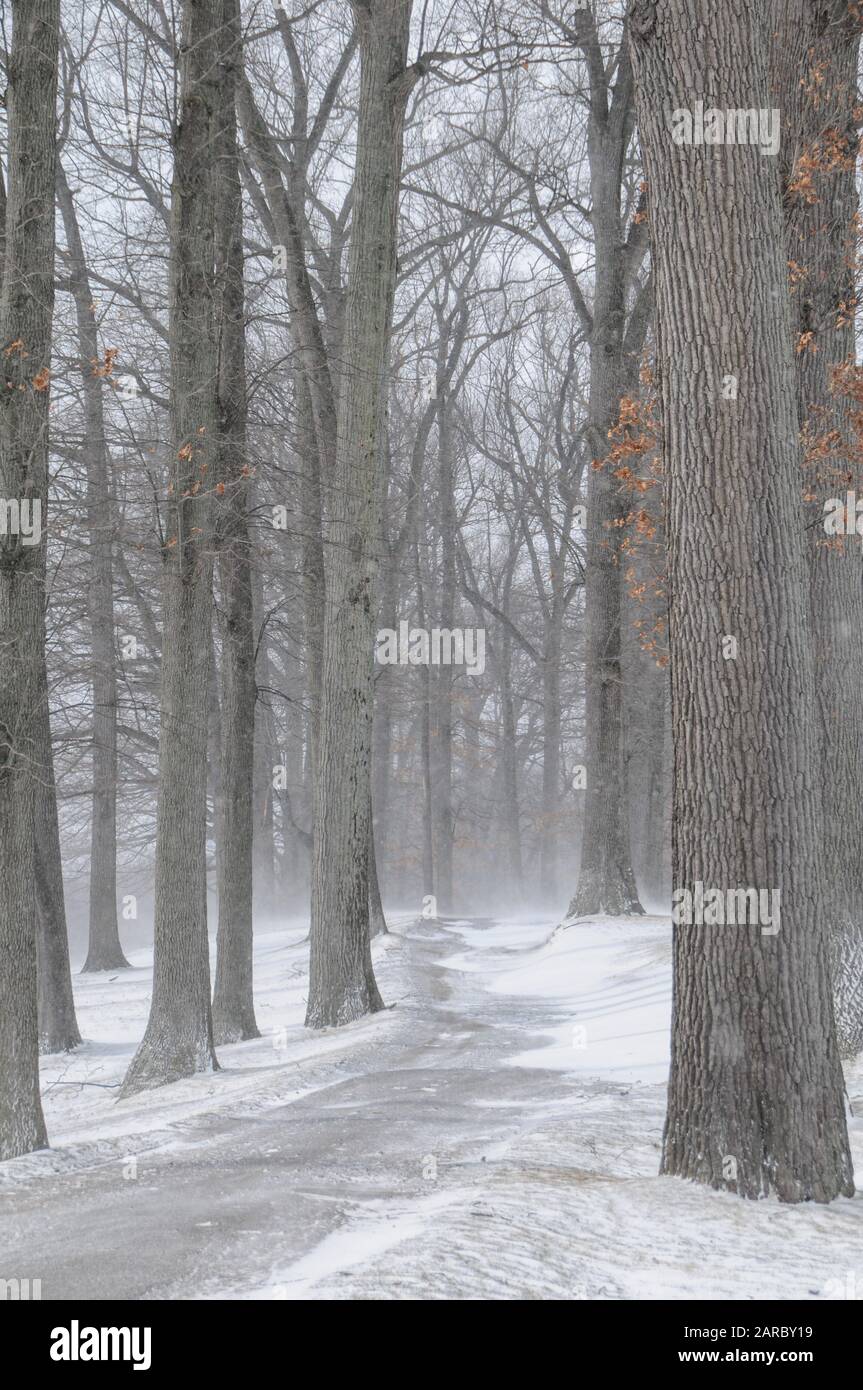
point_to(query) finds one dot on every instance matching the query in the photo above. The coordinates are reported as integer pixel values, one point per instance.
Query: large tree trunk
(26, 304)
(342, 986)
(179, 1036)
(755, 1101)
(815, 53)
(233, 1000)
(104, 951)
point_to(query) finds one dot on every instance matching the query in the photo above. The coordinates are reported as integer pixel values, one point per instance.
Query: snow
(496, 1134)
(610, 986)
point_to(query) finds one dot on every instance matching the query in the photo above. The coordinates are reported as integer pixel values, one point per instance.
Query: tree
(755, 1100)
(233, 1000)
(26, 304)
(104, 950)
(179, 1037)
(342, 986)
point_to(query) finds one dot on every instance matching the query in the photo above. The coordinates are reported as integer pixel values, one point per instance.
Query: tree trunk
(233, 1000)
(342, 986)
(815, 53)
(509, 760)
(58, 1026)
(441, 680)
(383, 722)
(755, 1101)
(26, 304)
(104, 951)
(377, 920)
(179, 1037)
(606, 882)
(551, 725)
(263, 848)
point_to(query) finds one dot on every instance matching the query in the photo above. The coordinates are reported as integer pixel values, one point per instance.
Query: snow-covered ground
(495, 1134)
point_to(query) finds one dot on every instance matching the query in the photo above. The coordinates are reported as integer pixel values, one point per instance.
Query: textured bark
(342, 986)
(815, 52)
(104, 951)
(179, 1036)
(233, 999)
(755, 1101)
(26, 304)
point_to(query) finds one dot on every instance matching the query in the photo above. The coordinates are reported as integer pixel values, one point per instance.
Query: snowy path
(495, 1135)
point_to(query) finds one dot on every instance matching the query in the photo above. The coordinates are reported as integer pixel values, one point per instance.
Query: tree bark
(755, 1100)
(815, 52)
(179, 1037)
(26, 304)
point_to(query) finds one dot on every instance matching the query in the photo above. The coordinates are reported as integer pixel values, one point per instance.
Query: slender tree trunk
(441, 680)
(383, 721)
(548, 852)
(26, 303)
(215, 788)
(377, 920)
(58, 1026)
(755, 1101)
(342, 986)
(509, 760)
(313, 567)
(424, 679)
(104, 950)
(233, 1000)
(606, 882)
(815, 54)
(263, 848)
(179, 1036)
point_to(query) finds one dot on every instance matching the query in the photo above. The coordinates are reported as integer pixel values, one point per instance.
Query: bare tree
(179, 1036)
(342, 985)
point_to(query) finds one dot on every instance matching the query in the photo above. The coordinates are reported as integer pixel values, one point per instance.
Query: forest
(431, 649)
